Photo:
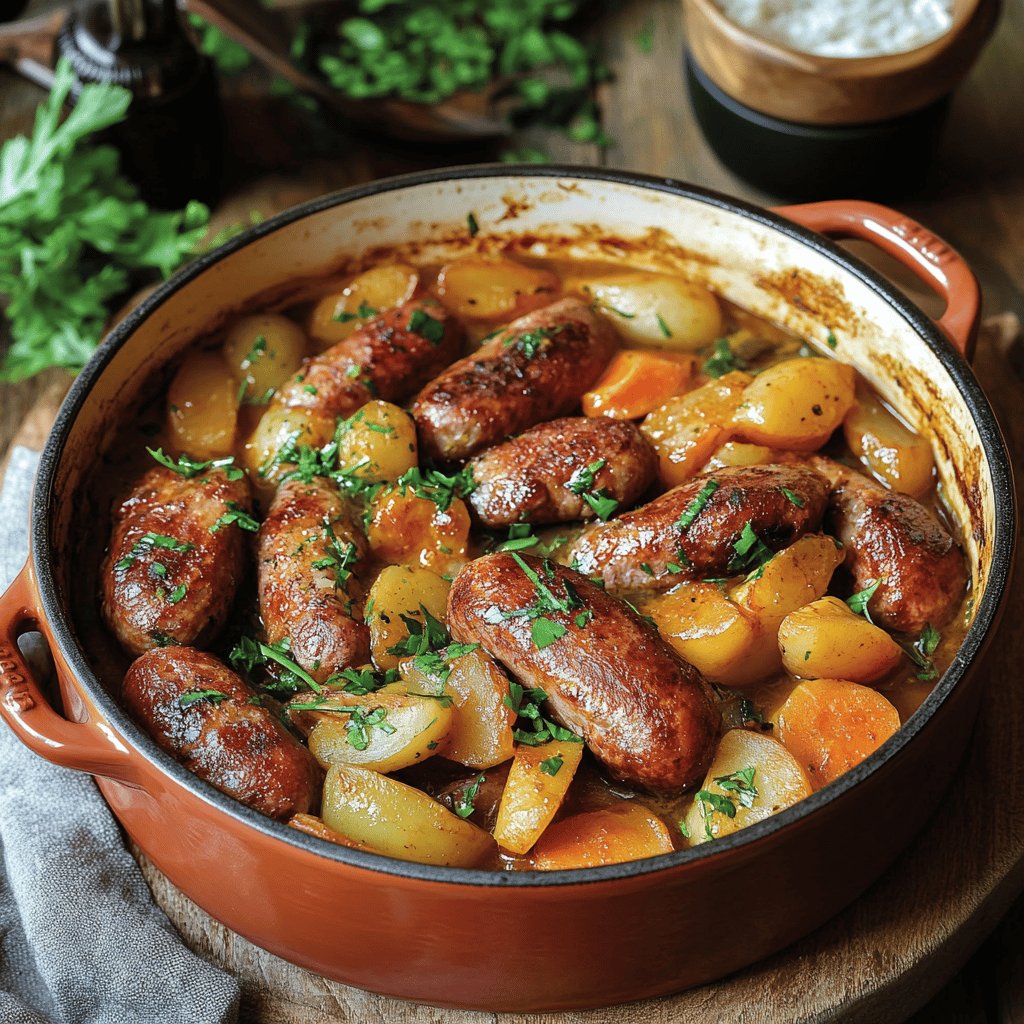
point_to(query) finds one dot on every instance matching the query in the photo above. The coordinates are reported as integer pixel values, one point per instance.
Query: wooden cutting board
(878, 961)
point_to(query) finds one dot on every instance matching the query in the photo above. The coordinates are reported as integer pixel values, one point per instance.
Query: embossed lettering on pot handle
(934, 261)
(88, 746)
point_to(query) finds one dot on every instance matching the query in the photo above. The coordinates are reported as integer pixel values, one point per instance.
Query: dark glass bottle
(171, 142)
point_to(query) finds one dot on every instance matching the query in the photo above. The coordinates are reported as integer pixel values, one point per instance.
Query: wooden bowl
(784, 83)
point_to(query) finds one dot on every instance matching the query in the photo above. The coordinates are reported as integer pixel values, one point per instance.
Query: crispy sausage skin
(781, 503)
(536, 369)
(309, 547)
(170, 574)
(388, 358)
(645, 713)
(226, 737)
(530, 479)
(893, 538)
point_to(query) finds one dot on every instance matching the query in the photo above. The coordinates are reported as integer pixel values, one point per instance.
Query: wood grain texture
(886, 956)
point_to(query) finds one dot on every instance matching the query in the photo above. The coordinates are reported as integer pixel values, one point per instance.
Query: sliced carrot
(830, 725)
(624, 832)
(635, 383)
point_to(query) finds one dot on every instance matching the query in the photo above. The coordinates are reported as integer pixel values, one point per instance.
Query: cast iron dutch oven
(526, 941)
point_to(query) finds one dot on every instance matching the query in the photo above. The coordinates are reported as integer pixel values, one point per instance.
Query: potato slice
(655, 309)
(751, 778)
(342, 312)
(408, 530)
(826, 640)
(687, 429)
(401, 590)
(386, 731)
(263, 351)
(796, 404)
(311, 825)
(537, 784)
(735, 453)
(831, 725)
(493, 287)
(399, 821)
(898, 457)
(378, 442)
(626, 831)
(202, 406)
(481, 731)
(280, 429)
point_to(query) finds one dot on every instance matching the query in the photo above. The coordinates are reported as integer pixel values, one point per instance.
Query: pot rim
(142, 745)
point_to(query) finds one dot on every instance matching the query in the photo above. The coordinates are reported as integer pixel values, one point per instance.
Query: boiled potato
(537, 784)
(401, 590)
(753, 774)
(825, 639)
(831, 725)
(340, 313)
(202, 406)
(279, 430)
(399, 821)
(378, 441)
(481, 732)
(408, 530)
(624, 831)
(687, 429)
(385, 731)
(494, 287)
(894, 454)
(655, 309)
(263, 351)
(711, 632)
(796, 404)
(735, 453)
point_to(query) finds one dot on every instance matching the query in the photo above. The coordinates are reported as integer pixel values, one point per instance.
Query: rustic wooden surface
(885, 957)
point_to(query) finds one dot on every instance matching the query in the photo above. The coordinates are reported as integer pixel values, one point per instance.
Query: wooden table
(973, 196)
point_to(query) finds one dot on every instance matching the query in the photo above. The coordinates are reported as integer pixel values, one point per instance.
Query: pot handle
(934, 261)
(88, 746)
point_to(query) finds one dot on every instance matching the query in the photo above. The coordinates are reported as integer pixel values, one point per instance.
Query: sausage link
(535, 477)
(309, 548)
(646, 714)
(224, 736)
(536, 369)
(890, 537)
(690, 532)
(388, 358)
(170, 573)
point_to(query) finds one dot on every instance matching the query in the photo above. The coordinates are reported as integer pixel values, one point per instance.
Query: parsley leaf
(464, 806)
(249, 653)
(750, 553)
(237, 516)
(859, 602)
(190, 697)
(551, 765)
(694, 509)
(723, 361)
(189, 468)
(423, 324)
(792, 497)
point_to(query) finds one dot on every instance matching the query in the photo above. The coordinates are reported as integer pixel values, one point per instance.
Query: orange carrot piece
(624, 832)
(635, 383)
(830, 725)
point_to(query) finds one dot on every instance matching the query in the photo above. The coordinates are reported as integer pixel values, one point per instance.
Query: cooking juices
(544, 564)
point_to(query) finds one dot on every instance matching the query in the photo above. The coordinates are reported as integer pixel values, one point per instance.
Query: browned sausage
(170, 573)
(646, 714)
(211, 721)
(536, 369)
(893, 538)
(309, 548)
(543, 475)
(388, 358)
(690, 532)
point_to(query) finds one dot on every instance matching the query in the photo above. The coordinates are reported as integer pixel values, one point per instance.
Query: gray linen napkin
(81, 940)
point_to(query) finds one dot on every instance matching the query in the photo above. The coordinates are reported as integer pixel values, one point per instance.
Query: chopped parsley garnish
(603, 504)
(792, 497)
(360, 724)
(440, 488)
(426, 326)
(364, 312)
(236, 516)
(922, 650)
(859, 602)
(246, 399)
(150, 540)
(353, 371)
(338, 558)
(189, 468)
(750, 553)
(177, 594)
(190, 697)
(310, 389)
(694, 509)
(601, 304)
(551, 765)
(831, 339)
(738, 786)
(582, 481)
(646, 566)
(360, 681)
(684, 829)
(532, 728)
(428, 635)
(472, 225)
(532, 342)
(464, 806)
(249, 653)
(665, 329)
(545, 632)
(723, 361)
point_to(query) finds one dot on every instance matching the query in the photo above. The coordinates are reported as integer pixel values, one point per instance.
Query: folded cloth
(81, 940)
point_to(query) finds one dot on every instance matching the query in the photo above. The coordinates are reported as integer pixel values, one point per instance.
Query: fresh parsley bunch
(73, 231)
